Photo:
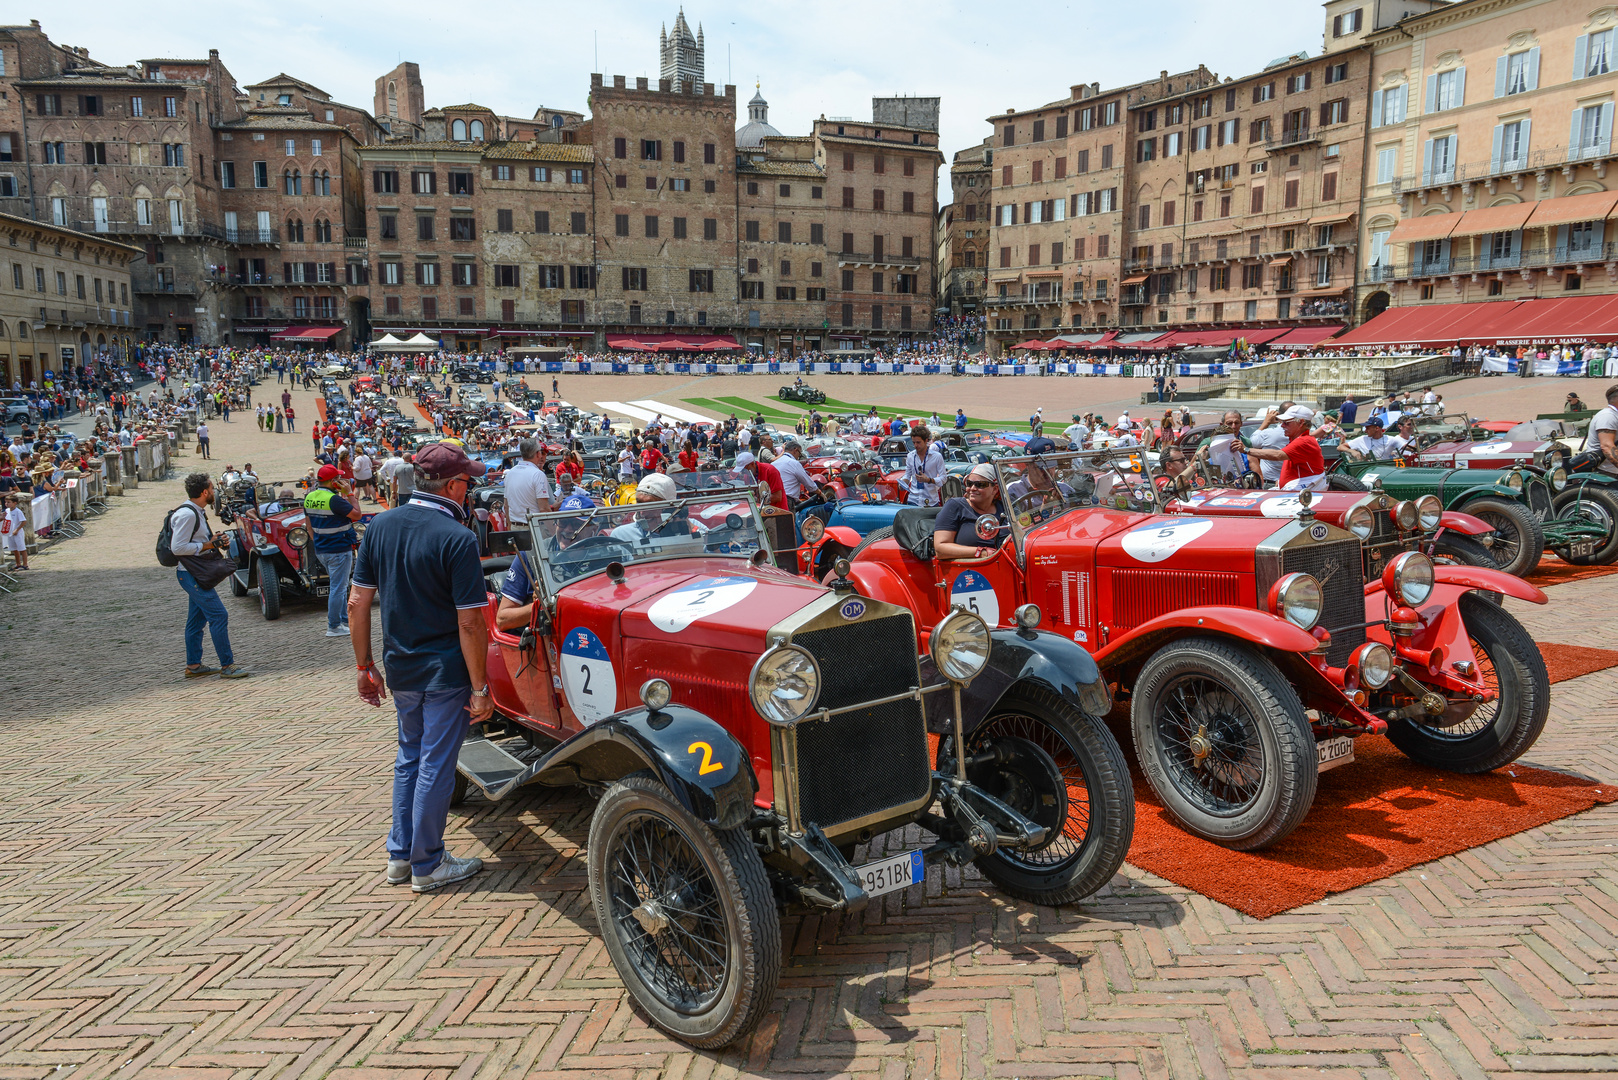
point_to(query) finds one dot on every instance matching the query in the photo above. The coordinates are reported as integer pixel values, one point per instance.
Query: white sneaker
(399, 871)
(339, 632)
(448, 872)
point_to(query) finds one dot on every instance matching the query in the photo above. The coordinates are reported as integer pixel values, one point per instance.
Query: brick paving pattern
(191, 886)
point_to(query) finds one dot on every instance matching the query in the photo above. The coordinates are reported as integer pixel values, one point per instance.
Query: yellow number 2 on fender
(708, 763)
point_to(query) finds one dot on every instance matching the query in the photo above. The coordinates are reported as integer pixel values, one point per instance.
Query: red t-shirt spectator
(688, 459)
(1304, 460)
(650, 458)
(569, 468)
(770, 475)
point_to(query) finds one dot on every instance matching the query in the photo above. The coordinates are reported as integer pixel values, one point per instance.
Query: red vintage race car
(749, 730)
(1251, 649)
(1384, 526)
(273, 547)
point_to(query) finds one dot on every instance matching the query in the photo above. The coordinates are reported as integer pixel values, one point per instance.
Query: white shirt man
(626, 466)
(924, 472)
(1077, 435)
(528, 489)
(744, 438)
(363, 468)
(1273, 438)
(795, 479)
(1605, 420)
(1376, 445)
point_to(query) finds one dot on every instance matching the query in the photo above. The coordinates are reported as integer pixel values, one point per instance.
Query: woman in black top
(955, 532)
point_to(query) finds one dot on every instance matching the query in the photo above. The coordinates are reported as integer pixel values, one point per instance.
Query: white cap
(656, 485)
(744, 459)
(1297, 412)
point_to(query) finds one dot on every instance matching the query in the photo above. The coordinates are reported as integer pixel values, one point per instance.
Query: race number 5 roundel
(674, 611)
(1158, 540)
(587, 677)
(973, 592)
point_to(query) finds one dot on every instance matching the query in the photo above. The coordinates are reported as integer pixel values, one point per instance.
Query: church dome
(757, 128)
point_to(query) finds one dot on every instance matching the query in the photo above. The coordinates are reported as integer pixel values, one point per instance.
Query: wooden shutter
(1376, 108)
(1494, 153)
(1427, 157)
(1532, 74)
(1581, 55)
(1501, 65)
(286, 271)
(1431, 104)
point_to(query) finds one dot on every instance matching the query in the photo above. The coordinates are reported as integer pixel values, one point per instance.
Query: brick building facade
(964, 226)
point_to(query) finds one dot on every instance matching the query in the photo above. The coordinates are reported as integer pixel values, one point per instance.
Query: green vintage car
(1517, 503)
(801, 392)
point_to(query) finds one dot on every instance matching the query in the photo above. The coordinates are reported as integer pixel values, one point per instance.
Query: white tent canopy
(386, 342)
(421, 341)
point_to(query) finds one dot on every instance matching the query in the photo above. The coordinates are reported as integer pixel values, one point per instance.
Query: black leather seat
(913, 530)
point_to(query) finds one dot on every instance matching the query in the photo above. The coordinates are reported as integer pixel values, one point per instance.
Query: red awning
(661, 343)
(1035, 344)
(307, 333)
(1560, 319)
(1303, 337)
(1427, 324)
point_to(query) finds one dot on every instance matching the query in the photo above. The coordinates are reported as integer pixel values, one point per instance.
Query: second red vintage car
(1251, 650)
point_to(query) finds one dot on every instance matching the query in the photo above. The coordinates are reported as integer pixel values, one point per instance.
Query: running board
(493, 769)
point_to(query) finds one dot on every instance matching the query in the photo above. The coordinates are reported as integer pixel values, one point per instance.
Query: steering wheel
(1050, 497)
(591, 555)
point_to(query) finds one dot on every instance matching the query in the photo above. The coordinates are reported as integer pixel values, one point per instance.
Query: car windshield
(571, 546)
(1043, 487)
(694, 482)
(1448, 426)
(593, 443)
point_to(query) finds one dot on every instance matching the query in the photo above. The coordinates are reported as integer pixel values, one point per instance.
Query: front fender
(698, 760)
(1249, 624)
(1019, 656)
(849, 538)
(1456, 521)
(1451, 581)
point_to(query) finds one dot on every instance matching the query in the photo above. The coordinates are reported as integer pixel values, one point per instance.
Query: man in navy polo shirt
(424, 561)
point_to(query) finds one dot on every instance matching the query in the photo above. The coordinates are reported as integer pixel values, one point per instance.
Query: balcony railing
(1132, 295)
(885, 259)
(166, 288)
(1476, 172)
(1290, 137)
(253, 236)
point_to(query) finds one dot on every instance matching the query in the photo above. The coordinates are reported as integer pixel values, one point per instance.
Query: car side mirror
(988, 525)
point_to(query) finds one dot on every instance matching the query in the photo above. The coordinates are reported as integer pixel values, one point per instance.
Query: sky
(516, 57)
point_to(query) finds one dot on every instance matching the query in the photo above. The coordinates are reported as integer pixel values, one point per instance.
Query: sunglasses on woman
(979, 483)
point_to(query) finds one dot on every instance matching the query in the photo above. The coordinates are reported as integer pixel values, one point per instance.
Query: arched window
(322, 231)
(294, 231)
(556, 121)
(477, 130)
(293, 182)
(457, 131)
(22, 329)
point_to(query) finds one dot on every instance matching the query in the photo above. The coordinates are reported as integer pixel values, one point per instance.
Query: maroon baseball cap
(442, 460)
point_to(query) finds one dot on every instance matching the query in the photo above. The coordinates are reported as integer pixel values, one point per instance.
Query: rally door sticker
(1158, 540)
(674, 611)
(588, 680)
(973, 592)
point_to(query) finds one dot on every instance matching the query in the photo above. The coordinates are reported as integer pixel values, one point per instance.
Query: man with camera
(191, 539)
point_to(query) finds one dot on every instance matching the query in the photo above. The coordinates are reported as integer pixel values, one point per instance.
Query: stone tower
(680, 52)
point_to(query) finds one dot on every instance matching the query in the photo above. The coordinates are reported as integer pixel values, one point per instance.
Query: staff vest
(332, 533)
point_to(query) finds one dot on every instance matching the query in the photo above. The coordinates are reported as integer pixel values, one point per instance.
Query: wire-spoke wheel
(1224, 742)
(1062, 769)
(1477, 738)
(686, 913)
(1591, 505)
(1519, 536)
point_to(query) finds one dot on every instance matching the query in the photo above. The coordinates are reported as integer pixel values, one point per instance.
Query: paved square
(191, 885)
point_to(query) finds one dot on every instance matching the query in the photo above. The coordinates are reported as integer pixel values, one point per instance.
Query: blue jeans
(337, 564)
(206, 609)
(432, 724)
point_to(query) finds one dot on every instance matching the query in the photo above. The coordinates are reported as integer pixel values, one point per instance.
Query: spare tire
(1345, 482)
(872, 537)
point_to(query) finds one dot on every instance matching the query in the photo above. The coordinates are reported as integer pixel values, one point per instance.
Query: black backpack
(165, 539)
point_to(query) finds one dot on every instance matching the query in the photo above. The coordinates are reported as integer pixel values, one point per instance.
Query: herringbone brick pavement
(191, 886)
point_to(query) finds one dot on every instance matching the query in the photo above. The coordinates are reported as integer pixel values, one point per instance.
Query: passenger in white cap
(653, 488)
(1303, 467)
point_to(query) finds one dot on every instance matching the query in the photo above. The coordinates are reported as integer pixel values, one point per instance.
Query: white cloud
(980, 59)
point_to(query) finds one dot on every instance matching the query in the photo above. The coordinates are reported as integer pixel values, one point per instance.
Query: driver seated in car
(955, 530)
(654, 488)
(1374, 444)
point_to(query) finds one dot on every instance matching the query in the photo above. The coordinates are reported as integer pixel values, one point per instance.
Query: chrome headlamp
(1512, 480)
(298, 536)
(1359, 522)
(1406, 516)
(960, 646)
(1297, 599)
(784, 685)
(813, 528)
(1558, 478)
(1409, 577)
(1375, 663)
(1430, 511)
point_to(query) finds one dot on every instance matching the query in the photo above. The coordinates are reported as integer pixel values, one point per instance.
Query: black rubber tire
(236, 587)
(269, 592)
(1250, 681)
(870, 538)
(1518, 714)
(462, 786)
(1520, 538)
(1459, 549)
(1593, 504)
(1344, 482)
(741, 895)
(1086, 755)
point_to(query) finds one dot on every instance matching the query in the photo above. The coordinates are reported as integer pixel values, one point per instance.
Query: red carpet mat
(1563, 662)
(1373, 818)
(1553, 571)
